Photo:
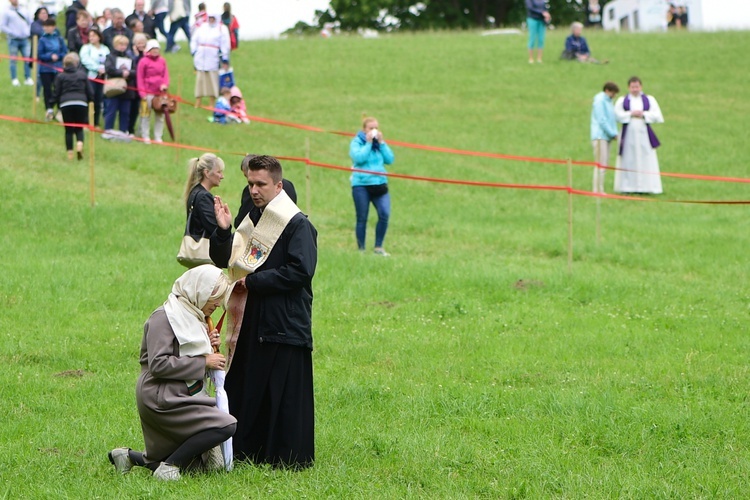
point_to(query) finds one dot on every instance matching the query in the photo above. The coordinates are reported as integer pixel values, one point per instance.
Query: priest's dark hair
(634, 79)
(265, 162)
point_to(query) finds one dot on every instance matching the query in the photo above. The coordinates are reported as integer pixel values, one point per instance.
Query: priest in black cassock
(270, 378)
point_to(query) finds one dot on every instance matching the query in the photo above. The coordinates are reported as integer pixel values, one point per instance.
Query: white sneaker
(29, 81)
(213, 459)
(15, 82)
(146, 141)
(166, 472)
(50, 115)
(158, 141)
(120, 459)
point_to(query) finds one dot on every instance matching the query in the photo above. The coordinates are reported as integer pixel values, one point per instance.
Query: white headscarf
(190, 293)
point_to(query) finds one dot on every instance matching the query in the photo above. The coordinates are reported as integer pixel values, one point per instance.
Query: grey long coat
(169, 414)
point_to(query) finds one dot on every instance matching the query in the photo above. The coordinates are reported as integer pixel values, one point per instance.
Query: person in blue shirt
(576, 48)
(51, 51)
(369, 151)
(603, 131)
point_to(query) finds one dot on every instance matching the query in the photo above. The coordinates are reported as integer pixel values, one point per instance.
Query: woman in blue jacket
(369, 152)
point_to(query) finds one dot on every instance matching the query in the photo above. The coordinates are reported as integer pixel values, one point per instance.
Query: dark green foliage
(436, 14)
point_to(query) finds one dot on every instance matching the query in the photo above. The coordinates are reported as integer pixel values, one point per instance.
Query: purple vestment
(651, 135)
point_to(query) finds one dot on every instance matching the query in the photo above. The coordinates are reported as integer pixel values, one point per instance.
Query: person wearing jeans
(16, 24)
(159, 9)
(369, 152)
(179, 15)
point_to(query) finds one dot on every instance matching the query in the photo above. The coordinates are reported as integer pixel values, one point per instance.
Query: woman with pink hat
(153, 79)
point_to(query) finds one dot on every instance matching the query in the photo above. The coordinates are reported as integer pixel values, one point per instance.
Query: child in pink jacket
(153, 79)
(239, 110)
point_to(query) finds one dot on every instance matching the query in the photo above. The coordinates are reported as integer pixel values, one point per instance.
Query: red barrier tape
(498, 156)
(423, 147)
(439, 149)
(396, 175)
(401, 176)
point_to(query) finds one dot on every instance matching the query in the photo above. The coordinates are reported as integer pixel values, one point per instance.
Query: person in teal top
(369, 151)
(603, 131)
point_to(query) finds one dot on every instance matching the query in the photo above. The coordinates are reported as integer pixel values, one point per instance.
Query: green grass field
(437, 374)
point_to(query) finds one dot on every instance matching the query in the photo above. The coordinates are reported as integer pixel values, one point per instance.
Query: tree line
(391, 15)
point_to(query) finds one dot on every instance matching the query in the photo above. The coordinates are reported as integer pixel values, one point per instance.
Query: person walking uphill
(369, 151)
(270, 377)
(72, 94)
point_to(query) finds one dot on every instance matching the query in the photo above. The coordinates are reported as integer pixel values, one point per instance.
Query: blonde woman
(72, 95)
(204, 174)
(119, 64)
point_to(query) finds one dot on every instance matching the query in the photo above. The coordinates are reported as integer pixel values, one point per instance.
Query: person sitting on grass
(576, 48)
(222, 109)
(239, 109)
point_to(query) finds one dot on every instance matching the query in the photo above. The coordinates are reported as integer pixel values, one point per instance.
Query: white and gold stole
(250, 249)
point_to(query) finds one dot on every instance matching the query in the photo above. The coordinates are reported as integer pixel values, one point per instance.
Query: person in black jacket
(204, 174)
(78, 36)
(120, 64)
(71, 13)
(270, 385)
(118, 28)
(140, 13)
(73, 93)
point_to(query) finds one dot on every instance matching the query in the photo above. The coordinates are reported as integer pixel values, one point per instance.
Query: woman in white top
(210, 46)
(93, 55)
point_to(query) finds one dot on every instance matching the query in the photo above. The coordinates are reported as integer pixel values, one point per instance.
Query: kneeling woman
(182, 426)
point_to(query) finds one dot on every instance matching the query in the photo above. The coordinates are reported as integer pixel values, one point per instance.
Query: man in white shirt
(637, 163)
(16, 24)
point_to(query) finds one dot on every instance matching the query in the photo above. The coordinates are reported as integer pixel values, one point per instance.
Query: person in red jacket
(153, 79)
(230, 21)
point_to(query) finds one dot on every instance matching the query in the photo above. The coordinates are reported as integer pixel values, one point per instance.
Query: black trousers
(48, 79)
(74, 114)
(98, 99)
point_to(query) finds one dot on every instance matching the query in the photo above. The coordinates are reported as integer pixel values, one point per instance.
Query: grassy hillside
(471, 363)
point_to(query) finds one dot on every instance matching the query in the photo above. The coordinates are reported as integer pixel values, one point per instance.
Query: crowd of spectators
(112, 45)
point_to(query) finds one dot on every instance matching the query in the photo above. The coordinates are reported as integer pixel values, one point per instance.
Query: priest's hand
(223, 215)
(239, 285)
(637, 114)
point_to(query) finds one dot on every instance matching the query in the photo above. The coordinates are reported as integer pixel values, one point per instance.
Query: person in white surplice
(637, 163)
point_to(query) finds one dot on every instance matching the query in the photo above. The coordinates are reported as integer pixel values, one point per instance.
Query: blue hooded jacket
(372, 156)
(51, 44)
